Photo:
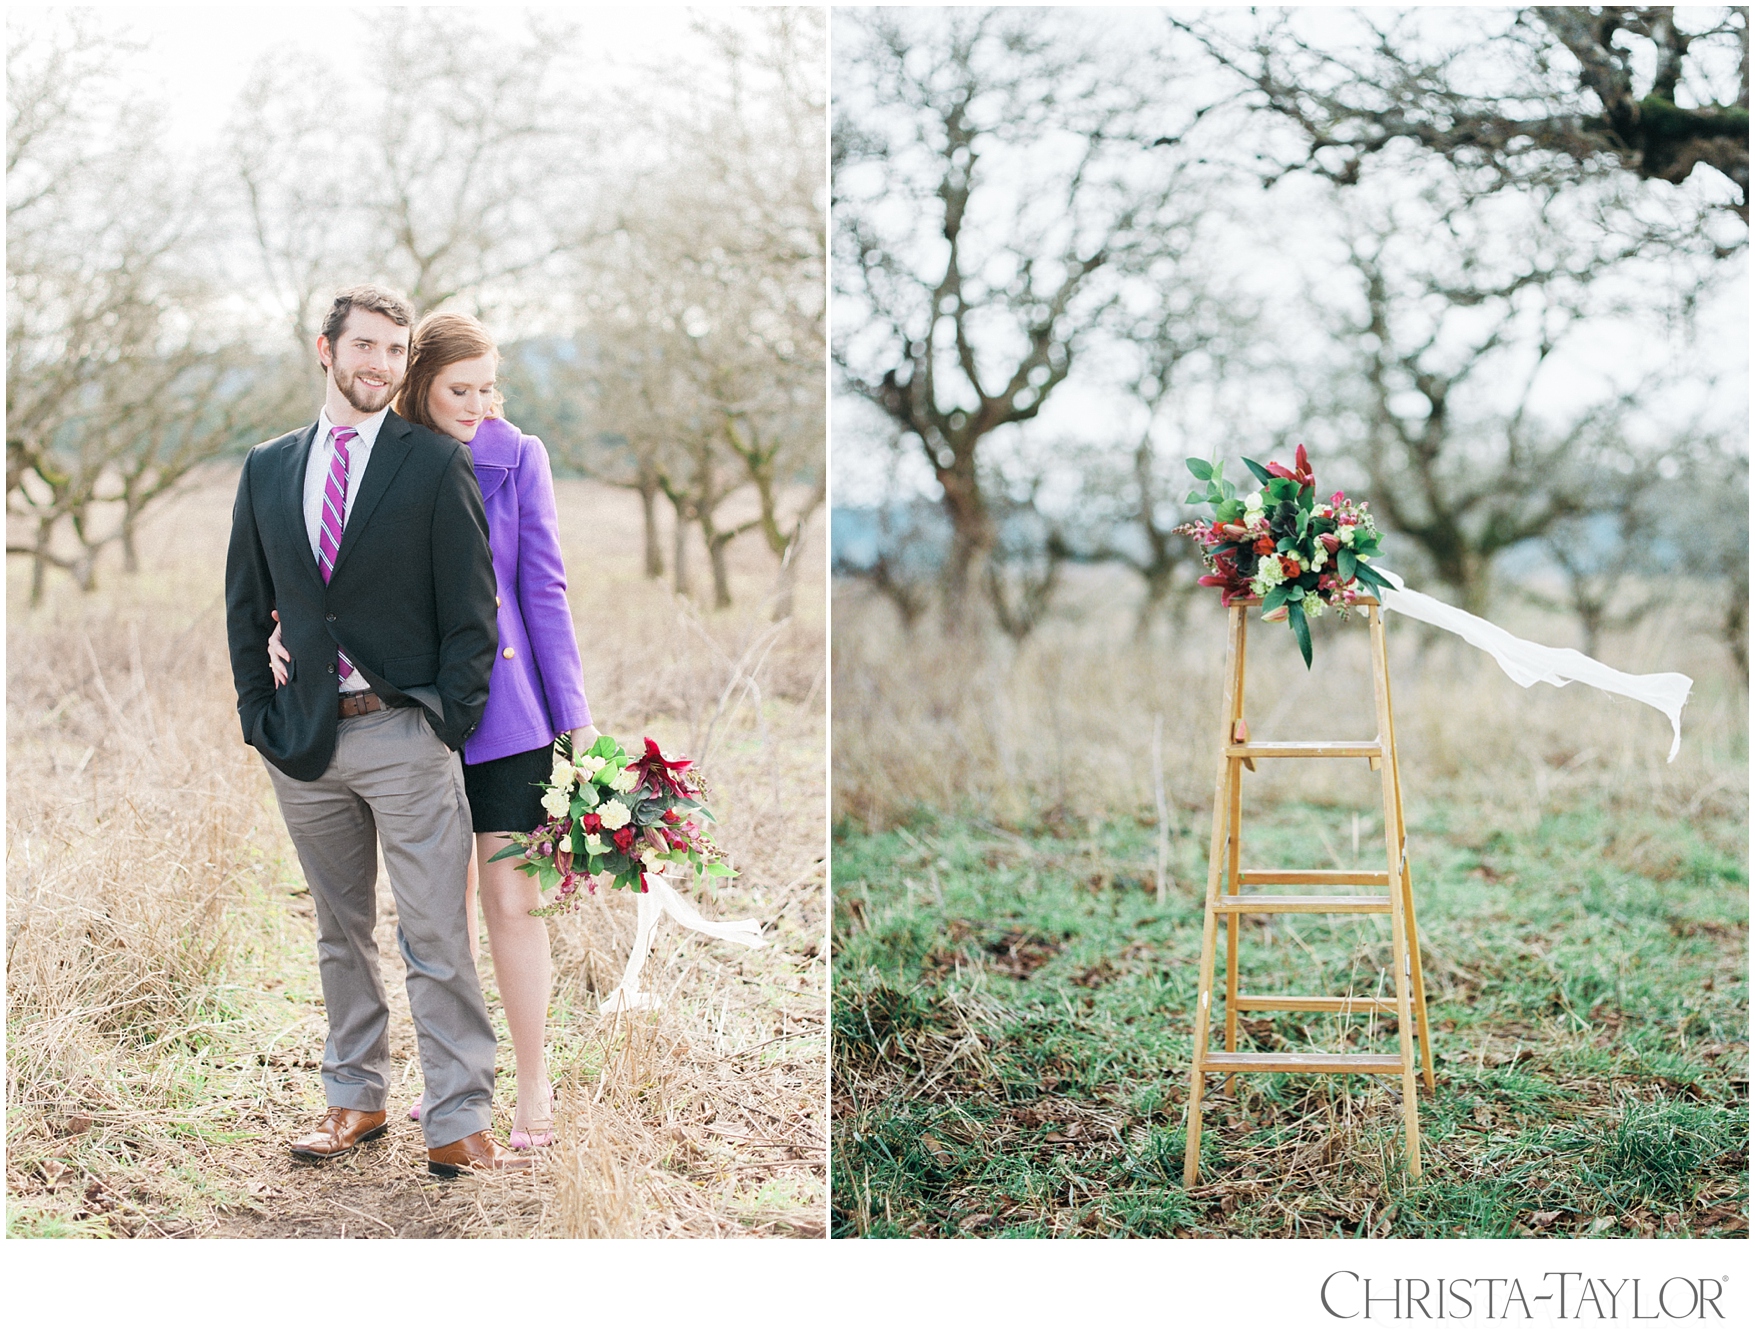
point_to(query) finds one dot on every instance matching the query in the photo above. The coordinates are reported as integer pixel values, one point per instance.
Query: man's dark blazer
(411, 596)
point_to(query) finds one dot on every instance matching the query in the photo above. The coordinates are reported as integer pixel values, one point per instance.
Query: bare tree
(121, 375)
(1444, 354)
(990, 192)
(1545, 95)
(462, 186)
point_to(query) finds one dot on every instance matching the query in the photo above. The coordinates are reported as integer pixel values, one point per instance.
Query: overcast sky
(201, 55)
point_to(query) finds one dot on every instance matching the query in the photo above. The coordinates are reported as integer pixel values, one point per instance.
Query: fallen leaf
(78, 1122)
(943, 1156)
(55, 1173)
(969, 1222)
(1542, 1219)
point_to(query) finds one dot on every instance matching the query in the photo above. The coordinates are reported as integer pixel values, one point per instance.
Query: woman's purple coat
(538, 690)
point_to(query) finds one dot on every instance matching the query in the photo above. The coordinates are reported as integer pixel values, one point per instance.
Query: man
(365, 535)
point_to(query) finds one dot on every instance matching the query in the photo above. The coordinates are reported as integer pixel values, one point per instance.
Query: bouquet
(1299, 556)
(614, 820)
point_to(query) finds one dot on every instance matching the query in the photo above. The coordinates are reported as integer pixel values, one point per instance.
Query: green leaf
(1345, 562)
(719, 868)
(510, 850)
(1303, 520)
(1274, 599)
(1300, 630)
(1201, 470)
(1258, 470)
(547, 877)
(1227, 488)
(1307, 496)
(1369, 576)
(1195, 496)
(1231, 510)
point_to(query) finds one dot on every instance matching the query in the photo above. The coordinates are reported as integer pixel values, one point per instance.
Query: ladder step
(1357, 1004)
(1304, 903)
(1313, 877)
(1351, 1063)
(1306, 749)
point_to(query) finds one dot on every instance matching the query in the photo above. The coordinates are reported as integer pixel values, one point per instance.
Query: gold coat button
(496, 602)
(507, 654)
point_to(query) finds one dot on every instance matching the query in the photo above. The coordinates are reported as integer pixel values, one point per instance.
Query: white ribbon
(656, 900)
(1531, 663)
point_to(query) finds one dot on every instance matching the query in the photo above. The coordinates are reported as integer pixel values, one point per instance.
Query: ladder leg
(1424, 1028)
(1234, 860)
(1233, 922)
(1210, 923)
(1419, 985)
(1402, 964)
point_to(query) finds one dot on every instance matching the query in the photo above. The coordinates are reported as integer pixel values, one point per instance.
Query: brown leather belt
(358, 705)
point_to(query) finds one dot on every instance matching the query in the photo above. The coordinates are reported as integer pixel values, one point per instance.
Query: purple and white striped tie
(334, 521)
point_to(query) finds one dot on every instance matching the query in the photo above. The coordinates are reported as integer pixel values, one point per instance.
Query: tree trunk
(681, 554)
(130, 552)
(716, 544)
(649, 518)
(786, 583)
(39, 563)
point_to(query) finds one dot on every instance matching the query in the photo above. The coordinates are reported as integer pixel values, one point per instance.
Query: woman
(537, 688)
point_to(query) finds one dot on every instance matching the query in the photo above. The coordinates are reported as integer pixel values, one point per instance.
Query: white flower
(566, 843)
(624, 781)
(1255, 516)
(1312, 605)
(562, 775)
(590, 766)
(1317, 560)
(1253, 501)
(1345, 535)
(555, 801)
(1269, 573)
(652, 859)
(614, 814)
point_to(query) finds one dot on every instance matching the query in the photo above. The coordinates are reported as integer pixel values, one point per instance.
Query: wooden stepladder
(1392, 892)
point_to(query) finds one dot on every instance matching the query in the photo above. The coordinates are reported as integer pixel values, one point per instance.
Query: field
(164, 1018)
(1013, 988)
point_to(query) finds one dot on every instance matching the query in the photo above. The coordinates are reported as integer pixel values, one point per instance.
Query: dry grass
(164, 1014)
(1065, 725)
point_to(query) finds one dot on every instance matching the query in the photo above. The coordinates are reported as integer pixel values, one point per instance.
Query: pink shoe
(414, 1113)
(540, 1133)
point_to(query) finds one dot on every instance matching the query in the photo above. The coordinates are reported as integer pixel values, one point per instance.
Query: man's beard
(365, 399)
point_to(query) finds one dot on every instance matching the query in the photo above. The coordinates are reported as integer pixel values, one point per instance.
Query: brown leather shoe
(478, 1152)
(340, 1131)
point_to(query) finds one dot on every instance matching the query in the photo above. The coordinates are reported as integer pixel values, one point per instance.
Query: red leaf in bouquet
(1280, 472)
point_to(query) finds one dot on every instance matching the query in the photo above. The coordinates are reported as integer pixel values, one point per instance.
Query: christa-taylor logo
(1555, 1294)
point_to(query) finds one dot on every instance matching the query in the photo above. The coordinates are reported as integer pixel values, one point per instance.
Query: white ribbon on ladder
(1531, 663)
(655, 900)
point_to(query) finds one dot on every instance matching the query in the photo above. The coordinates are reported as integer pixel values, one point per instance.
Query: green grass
(1012, 1018)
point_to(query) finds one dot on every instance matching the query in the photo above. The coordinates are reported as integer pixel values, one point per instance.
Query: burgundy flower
(662, 774)
(623, 838)
(590, 822)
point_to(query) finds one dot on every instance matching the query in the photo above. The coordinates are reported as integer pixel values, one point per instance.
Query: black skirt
(505, 795)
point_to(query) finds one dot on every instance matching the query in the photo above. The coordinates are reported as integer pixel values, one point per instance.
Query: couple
(402, 567)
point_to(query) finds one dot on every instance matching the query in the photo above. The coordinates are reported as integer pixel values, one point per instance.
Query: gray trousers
(394, 782)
